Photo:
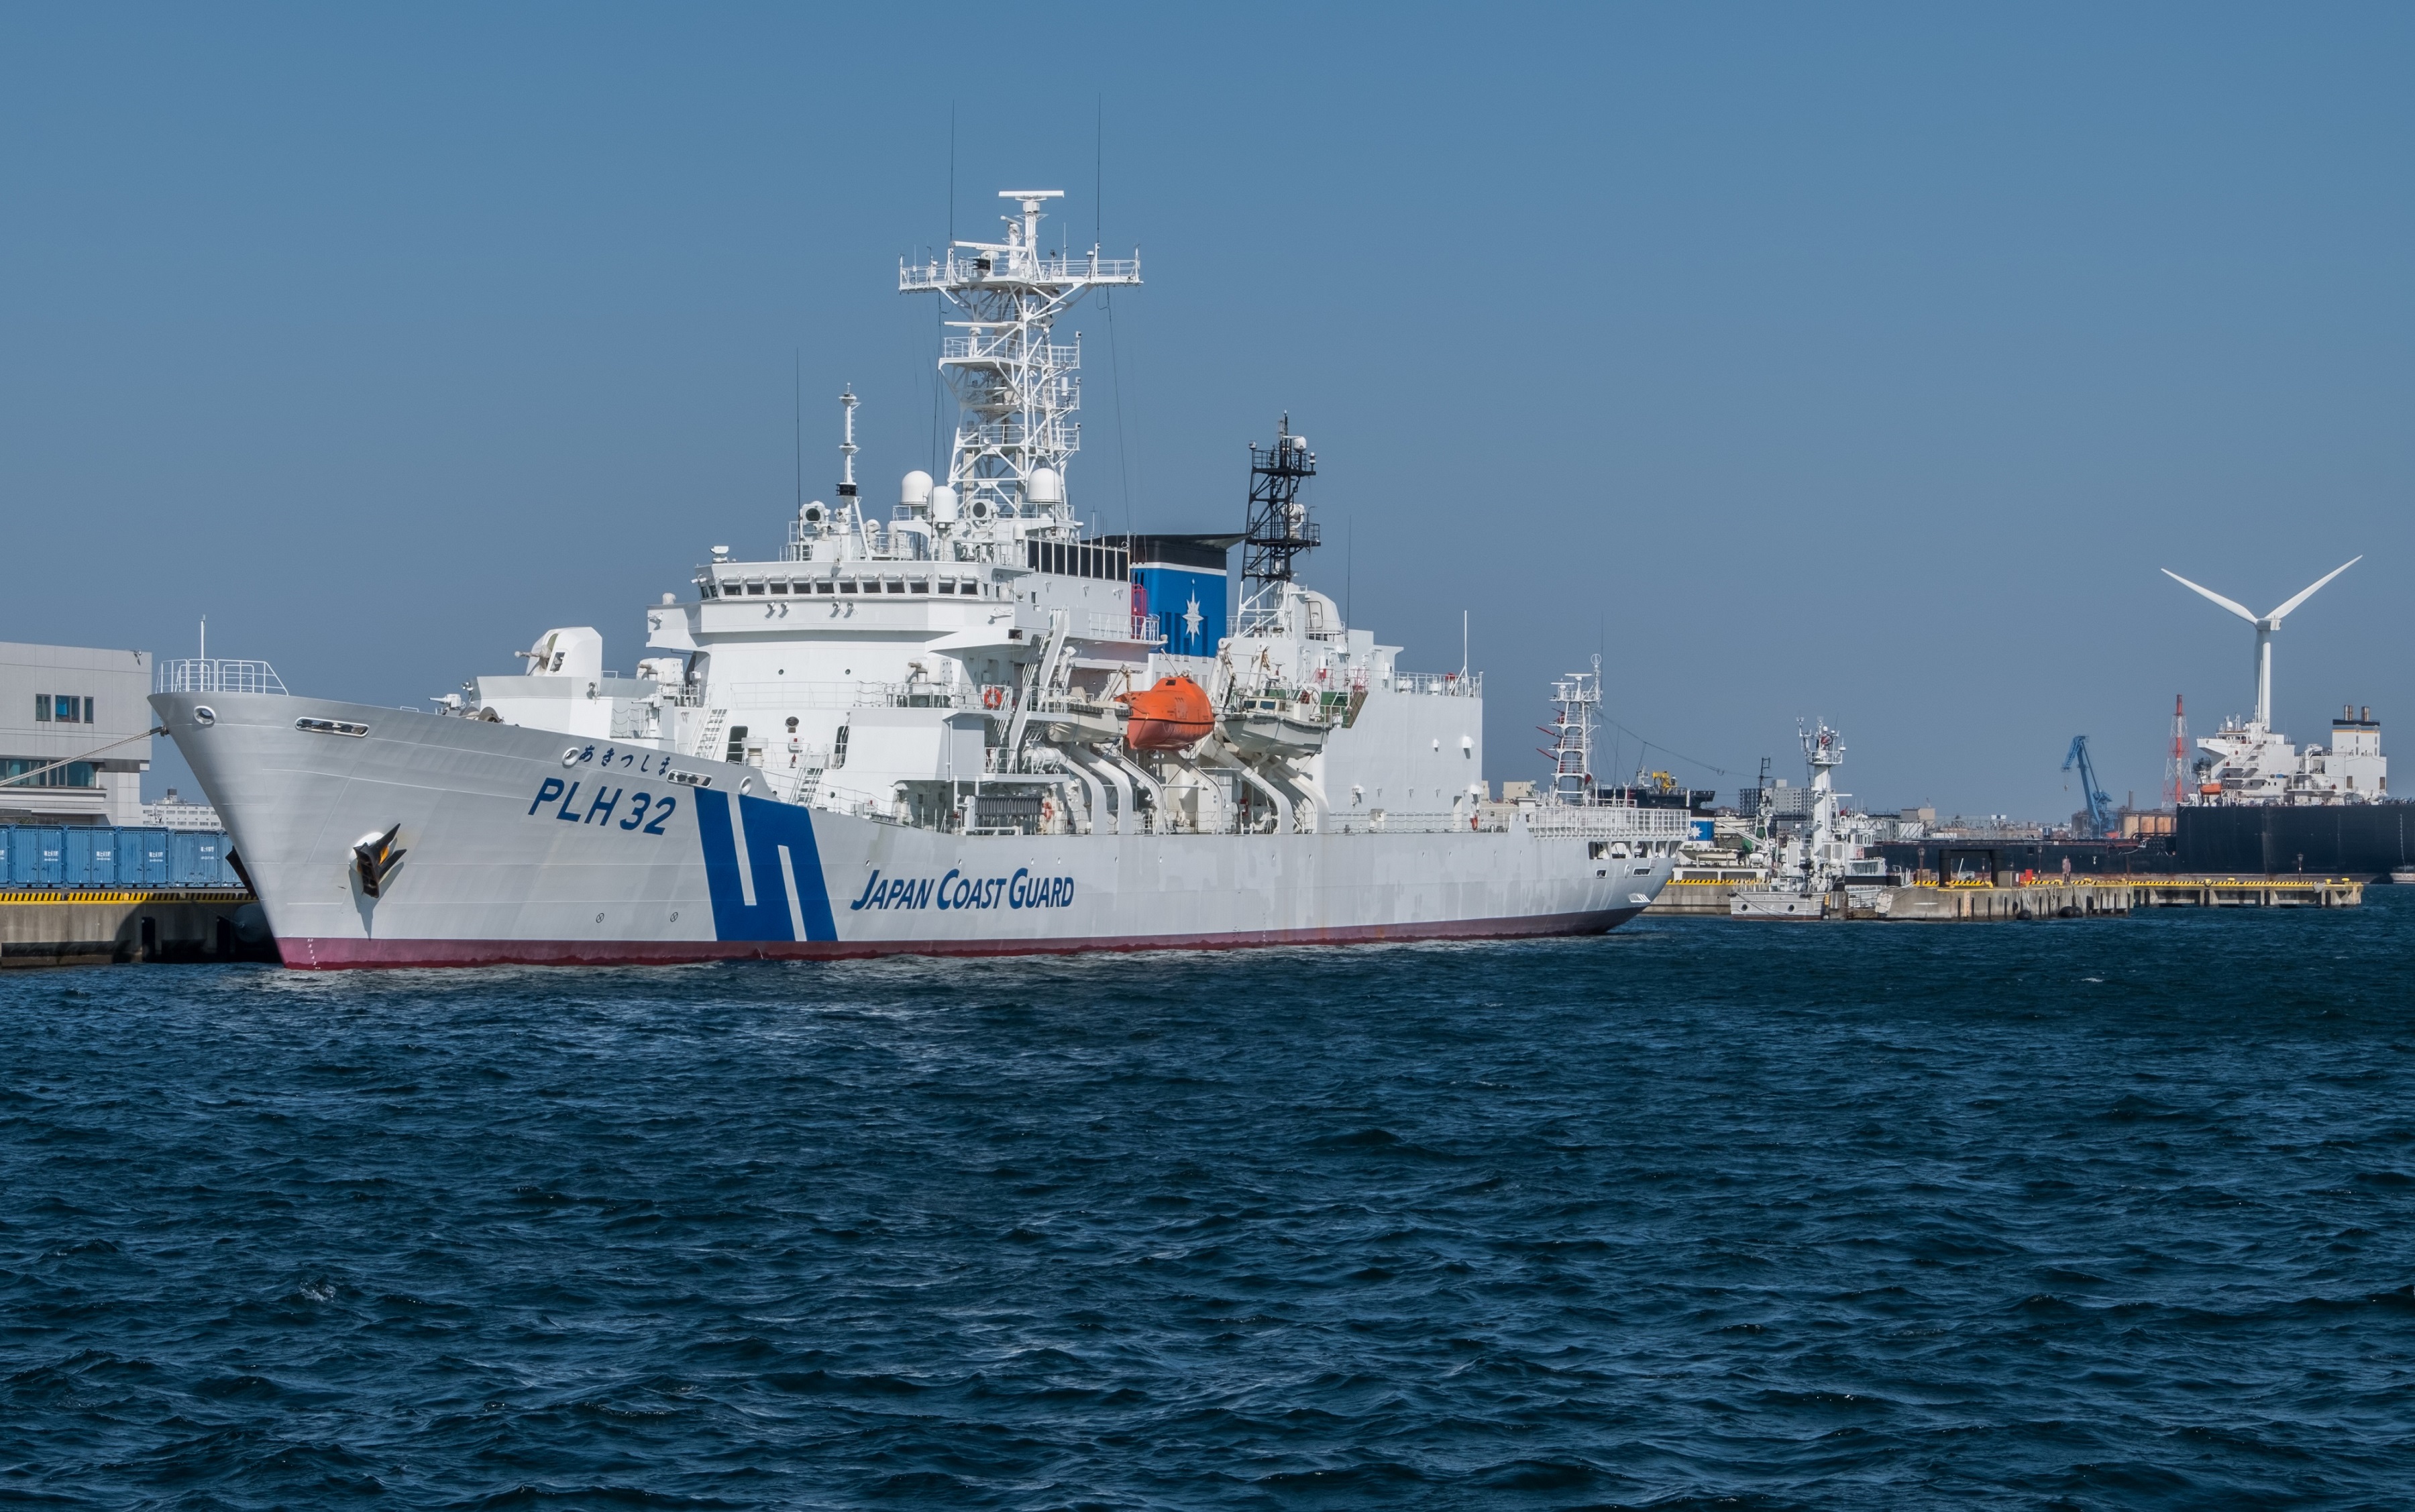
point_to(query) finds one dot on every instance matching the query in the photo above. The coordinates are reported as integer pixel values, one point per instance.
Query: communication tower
(1279, 528)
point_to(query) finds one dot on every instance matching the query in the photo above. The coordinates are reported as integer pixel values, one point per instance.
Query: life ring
(993, 696)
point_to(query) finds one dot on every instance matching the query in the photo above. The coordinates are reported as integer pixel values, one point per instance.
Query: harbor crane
(2098, 806)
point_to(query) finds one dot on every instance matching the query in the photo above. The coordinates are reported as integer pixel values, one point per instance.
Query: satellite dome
(1044, 487)
(942, 501)
(915, 492)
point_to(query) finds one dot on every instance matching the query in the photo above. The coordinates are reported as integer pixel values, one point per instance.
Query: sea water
(2087, 1214)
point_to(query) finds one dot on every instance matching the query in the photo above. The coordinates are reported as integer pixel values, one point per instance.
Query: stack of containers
(98, 856)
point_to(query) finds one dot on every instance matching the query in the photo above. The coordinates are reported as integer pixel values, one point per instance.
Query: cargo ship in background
(967, 727)
(2249, 802)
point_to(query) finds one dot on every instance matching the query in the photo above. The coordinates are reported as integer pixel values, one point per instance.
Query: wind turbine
(2264, 628)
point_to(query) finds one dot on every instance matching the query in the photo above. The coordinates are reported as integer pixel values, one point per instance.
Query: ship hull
(2365, 841)
(520, 845)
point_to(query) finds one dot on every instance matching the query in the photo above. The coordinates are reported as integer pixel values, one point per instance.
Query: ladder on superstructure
(1279, 527)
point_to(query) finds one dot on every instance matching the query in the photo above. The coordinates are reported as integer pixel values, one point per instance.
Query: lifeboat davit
(1171, 716)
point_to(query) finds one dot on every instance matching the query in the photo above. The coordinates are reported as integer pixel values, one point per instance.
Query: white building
(78, 711)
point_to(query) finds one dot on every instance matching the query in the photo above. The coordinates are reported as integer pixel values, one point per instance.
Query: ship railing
(830, 795)
(1394, 822)
(1439, 685)
(211, 674)
(1011, 435)
(964, 270)
(1608, 821)
(1004, 347)
(1106, 624)
(801, 692)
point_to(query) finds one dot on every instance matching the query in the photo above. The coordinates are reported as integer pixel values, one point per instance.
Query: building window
(61, 707)
(41, 708)
(74, 774)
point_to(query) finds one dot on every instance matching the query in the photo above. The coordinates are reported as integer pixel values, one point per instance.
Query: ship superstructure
(957, 724)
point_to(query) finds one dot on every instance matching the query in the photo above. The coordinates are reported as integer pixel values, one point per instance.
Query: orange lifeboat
(1173, 714)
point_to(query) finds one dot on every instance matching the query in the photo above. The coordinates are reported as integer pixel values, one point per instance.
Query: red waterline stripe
(329, 954)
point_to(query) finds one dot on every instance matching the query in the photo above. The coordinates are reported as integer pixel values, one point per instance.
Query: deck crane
(2099, 807)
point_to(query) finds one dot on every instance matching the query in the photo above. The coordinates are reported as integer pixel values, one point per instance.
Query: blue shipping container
(35, 856)
(81, 845)
(142, 858)
(214, 863)
(198, 859)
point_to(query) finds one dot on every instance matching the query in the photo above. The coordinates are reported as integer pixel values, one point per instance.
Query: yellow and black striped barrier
(41, 896)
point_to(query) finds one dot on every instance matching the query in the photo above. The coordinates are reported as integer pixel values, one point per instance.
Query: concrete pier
(47, 928)
(2086, 897)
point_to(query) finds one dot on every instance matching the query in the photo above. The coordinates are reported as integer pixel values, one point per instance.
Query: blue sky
(1861, 362)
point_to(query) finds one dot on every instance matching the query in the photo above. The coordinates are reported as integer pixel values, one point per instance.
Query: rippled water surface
(2079, 1214)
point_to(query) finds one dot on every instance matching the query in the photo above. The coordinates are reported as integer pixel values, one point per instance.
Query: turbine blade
(2240, 609)
(2277, 614)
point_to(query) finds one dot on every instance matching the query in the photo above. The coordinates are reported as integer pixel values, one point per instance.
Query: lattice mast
(1017, 390)
(1279, 527)
(2176, 762)
(1574, 699)
(846, 447)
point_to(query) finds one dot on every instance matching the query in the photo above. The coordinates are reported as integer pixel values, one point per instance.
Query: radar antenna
(1279, 528)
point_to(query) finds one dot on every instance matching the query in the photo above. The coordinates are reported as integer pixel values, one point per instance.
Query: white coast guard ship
(963, 728)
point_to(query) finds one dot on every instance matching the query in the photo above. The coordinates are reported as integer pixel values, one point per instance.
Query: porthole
(570, 756)
(205, 714)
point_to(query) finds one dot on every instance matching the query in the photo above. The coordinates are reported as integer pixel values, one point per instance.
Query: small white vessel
(1815, 874)
(967, 727)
